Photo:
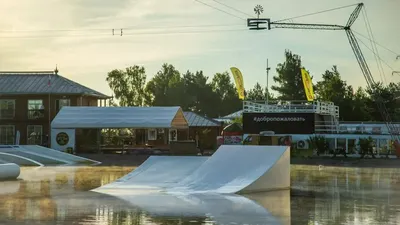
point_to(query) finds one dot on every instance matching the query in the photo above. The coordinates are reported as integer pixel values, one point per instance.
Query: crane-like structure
(264, 23)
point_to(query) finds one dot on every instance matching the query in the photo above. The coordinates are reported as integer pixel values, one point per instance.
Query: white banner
(62, 139)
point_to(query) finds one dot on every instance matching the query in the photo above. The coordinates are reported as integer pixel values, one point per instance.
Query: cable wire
(124, 28)
(223, 11)
(127, 34)
(311, 14)
(397, 54)
(237, 10)
(374, 53)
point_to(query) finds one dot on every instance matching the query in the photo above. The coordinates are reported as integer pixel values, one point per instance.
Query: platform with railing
(318, 107)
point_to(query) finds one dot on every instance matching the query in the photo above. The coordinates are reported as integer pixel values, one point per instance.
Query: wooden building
(30, 100)
(203, 130)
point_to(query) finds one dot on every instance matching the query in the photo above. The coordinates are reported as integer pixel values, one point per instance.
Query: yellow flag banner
(237, 76)
(308, 86)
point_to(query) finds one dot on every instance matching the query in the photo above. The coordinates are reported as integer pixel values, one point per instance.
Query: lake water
(325, 195)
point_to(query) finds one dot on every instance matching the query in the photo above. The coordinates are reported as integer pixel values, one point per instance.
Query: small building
(205, 129)
(118, 128)
(30, 100)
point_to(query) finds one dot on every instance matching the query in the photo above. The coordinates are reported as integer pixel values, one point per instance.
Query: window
(152, 134)
(7, 135)
(7, 109)
(173, 135)
(35, 109)
(61, 103)
(34, 134)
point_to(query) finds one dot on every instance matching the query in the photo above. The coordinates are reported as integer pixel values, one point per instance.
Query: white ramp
(240, 169)
(157, 172)
(40, 155)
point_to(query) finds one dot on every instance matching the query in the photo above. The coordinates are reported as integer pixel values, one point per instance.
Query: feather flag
(237, 76)
(308, 86)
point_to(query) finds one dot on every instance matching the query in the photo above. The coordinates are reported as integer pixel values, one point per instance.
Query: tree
(199, 95)
(128, 85)
(360, 108)
(257, 93)
(289, 81)
(333, 89)
(388, 94)
(165, 88)
(227, 97)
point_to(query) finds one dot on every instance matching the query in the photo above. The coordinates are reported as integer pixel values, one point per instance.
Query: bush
(366, 146)
(318, 144)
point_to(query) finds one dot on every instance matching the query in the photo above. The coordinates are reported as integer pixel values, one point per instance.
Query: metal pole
(267, 88)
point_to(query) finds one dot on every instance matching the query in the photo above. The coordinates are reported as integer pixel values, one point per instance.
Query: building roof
(233, 115)
(118, 117)
(230, 117)
(24, 83)
(195, 120)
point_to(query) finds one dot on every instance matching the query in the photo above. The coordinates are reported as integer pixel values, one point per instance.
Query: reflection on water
(345, 195)
(61, 195)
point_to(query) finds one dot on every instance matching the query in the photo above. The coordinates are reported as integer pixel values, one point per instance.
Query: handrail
(323, 108)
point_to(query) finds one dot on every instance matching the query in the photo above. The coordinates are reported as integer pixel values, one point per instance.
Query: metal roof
(233, 115)
(115, 117)
(14, 83)
(195, 120)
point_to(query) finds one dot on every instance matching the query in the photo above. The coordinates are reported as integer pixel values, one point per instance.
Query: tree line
(217, 97)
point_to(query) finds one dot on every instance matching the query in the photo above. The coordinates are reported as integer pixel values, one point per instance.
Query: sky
(76, 35)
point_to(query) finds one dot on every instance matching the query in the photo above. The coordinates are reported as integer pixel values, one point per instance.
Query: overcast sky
(157, 32)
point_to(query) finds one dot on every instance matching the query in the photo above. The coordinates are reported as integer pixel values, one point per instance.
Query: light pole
(267, 89)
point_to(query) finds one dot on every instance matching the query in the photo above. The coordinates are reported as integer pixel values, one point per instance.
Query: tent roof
(119, 117)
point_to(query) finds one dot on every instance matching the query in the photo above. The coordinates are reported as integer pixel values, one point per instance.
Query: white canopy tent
(70, 118)
(119, 117)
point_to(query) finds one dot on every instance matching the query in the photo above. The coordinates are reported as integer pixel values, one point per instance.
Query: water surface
(327, 195)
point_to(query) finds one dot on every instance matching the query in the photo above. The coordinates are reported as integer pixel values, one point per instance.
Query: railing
(322, 108)
(7, 113)
(331, 127)
(35, 114)
(326, 127)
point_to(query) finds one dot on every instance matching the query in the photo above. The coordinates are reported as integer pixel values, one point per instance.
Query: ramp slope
(19, 160)
(157, 172)
(240, 169)
(40, 155)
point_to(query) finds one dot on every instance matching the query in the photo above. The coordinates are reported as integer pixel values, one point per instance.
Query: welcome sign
(279, 123)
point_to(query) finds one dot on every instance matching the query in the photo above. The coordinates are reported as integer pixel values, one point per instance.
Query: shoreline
(137, 160)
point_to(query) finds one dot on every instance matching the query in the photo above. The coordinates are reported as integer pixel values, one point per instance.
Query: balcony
(7, 113)
(323, 108)
(34, 114)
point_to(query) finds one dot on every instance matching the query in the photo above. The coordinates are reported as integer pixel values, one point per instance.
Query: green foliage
(216, 97)
(366, 146)
(318, 143)
(238, 120)
(128, 85)
(227, 99)
(289, 83)
(258, 93)
(388, 94)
